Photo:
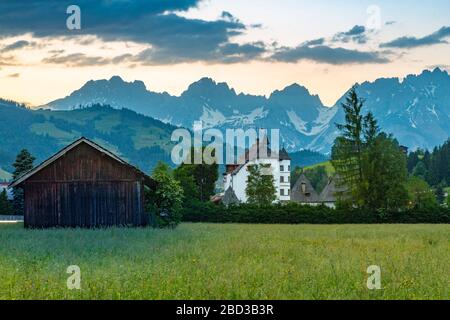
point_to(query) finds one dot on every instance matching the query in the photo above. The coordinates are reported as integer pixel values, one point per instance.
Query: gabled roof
(230, 197)
(308, 196)
(332, 191)
(254, 153)
(149, 181)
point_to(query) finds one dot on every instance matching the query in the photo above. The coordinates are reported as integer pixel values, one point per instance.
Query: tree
(24, 163)
(385, 174)
(421, 195)
(318, 177)
(369, 163)
(166, 200)
(420, 170)
(204, 176)
(5, 205)
(440, 193)
(347, 150)
(260, 188)
(185, 176)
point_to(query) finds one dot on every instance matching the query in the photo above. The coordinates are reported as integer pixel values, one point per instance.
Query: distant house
(5, 186)
(236, 176)
(332, 192)
(84, 185)
(304, 193)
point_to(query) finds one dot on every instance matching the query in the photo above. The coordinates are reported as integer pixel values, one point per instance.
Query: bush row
(301, 214)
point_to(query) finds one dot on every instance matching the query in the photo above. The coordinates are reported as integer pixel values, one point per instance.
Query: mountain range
(415, 109)
(138, 139)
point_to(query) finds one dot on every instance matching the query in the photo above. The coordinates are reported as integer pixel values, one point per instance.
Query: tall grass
(204, 261)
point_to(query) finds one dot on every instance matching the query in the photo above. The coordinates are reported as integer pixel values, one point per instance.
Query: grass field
(328, 166)
(205, 261)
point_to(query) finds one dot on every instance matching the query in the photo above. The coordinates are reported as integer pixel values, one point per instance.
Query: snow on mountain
(415, 109)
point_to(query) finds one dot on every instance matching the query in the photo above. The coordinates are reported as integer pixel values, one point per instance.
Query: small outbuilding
(85, 186)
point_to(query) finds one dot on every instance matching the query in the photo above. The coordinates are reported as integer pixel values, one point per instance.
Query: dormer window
(303, 188)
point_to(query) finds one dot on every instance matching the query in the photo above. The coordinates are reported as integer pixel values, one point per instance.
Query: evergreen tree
(24, 163)
(369, 163)
(260, 185)
(385, 175)
(440, 193)
(347, 155)
(5, 205)
(420, 170)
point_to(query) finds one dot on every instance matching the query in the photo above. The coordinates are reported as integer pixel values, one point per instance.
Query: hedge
(301, 214)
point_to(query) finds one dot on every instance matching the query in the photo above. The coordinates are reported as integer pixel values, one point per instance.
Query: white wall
(239, 181)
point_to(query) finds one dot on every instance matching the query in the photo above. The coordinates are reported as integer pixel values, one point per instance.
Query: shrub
(300, 214)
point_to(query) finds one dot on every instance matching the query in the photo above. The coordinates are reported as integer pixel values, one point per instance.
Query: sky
(255, 46)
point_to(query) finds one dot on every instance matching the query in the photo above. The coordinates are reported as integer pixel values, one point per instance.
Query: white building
(235, 177)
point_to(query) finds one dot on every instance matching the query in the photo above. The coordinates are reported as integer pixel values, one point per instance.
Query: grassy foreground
(204, 261)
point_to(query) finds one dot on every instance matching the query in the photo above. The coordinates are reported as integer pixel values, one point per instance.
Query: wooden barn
(86, 186)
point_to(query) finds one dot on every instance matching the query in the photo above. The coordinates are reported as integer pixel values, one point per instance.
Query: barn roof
(148, 180)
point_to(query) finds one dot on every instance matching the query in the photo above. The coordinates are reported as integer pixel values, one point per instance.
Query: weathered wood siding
(87, 189)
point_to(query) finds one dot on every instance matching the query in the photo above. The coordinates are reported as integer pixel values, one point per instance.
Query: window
(289, 168)
(282, 192)
(289, 192)
(289, 179)
(282, 168)
(282, 179)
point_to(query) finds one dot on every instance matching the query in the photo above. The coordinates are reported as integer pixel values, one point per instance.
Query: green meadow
(207, 261)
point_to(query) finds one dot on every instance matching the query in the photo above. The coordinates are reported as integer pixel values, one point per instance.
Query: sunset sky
(254, 46)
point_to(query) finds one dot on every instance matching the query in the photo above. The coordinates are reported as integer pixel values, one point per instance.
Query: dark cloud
(315, 42)
(390, 23)
(17, 45)
(413, 42)
(78, 60)
(170, 37)
(325, 54)
(356, 34)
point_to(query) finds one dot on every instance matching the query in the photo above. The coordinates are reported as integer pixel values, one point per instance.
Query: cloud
(413, 42)
(154, 23)
(356, 34)
(14, 75)
(17, 45)
(329, 55)
(80, 60)
(315, 42)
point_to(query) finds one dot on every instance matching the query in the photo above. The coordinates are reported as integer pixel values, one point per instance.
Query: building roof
(254, 153)
(303, 191)
(230, 197)
(148, 180)
(332, 190)
(284, 155)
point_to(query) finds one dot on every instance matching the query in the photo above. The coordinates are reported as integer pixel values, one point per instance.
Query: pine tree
(348, 159)
(24, 163)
